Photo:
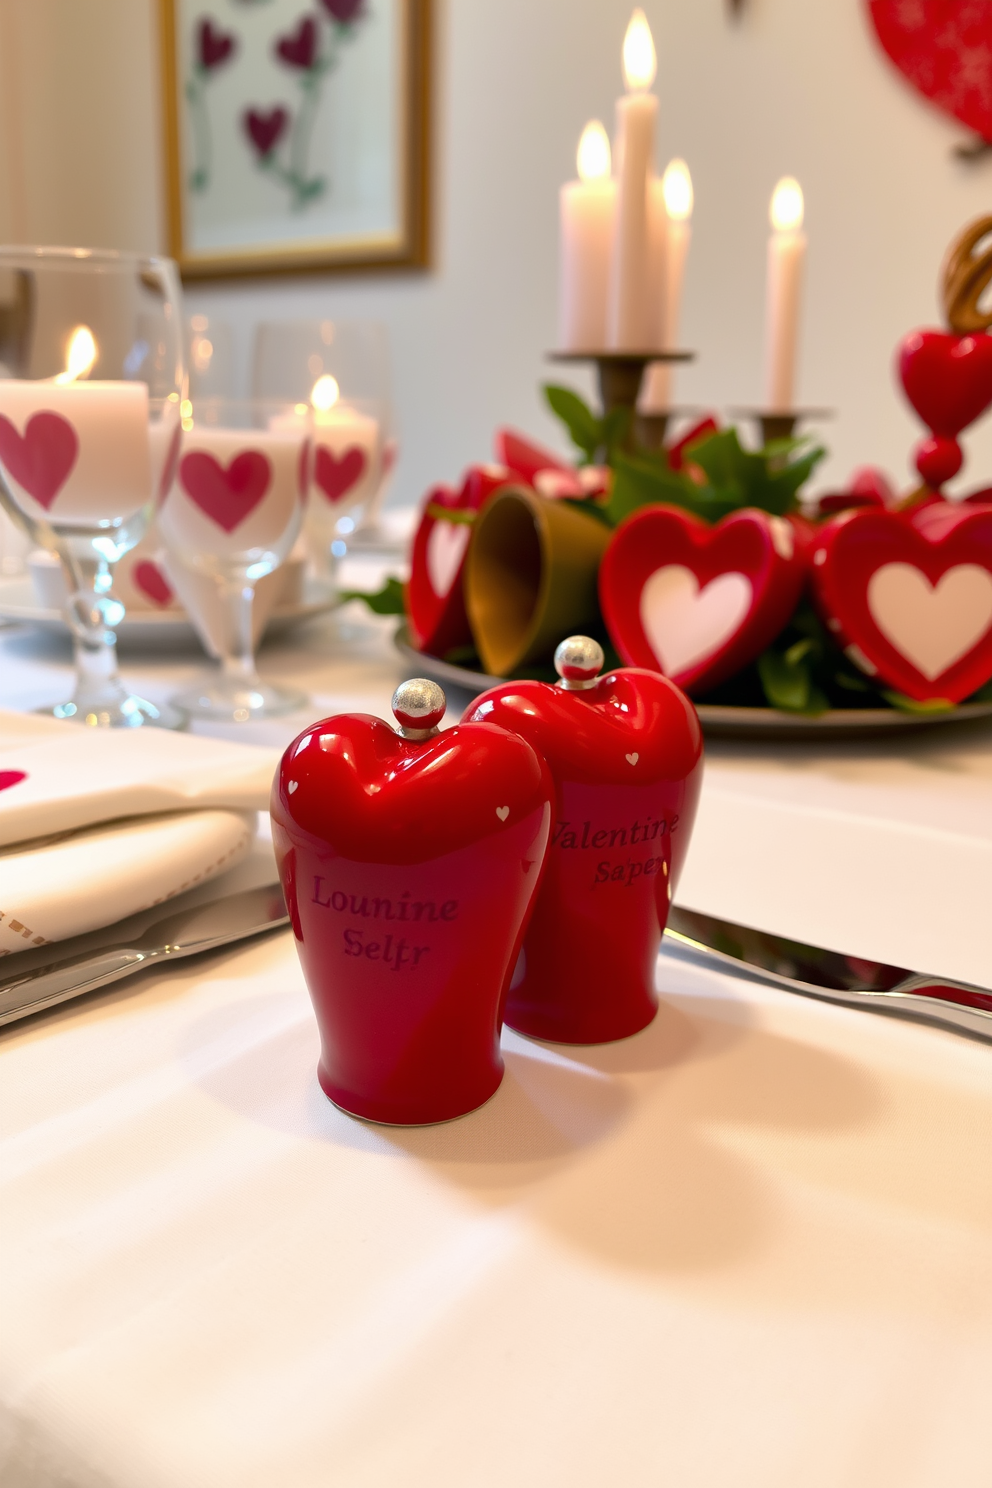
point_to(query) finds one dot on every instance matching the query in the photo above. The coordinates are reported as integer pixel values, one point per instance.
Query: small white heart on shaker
(502, 812)
(632, 758)
(292, 786)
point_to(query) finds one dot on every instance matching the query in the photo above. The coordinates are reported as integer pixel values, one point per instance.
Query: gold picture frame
(296, 139)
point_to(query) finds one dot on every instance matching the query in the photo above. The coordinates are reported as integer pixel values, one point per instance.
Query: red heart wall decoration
(41, 460)
(696, 602)
(228, 496)
(434, 602)
(944, 49)
(150, 579)
(11, 777)
(911, 600)
(265, 130)
(337, 476)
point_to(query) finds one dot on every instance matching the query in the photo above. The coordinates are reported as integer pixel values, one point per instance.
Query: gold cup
(530, 577)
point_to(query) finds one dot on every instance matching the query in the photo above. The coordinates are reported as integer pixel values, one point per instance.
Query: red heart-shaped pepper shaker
(410, 862)
(626, 754)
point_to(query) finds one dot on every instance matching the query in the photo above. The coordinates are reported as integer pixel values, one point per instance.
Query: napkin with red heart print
(96, 826)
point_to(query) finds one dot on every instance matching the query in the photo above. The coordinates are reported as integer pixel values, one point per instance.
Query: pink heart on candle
(41, 460)
(336, 477)
(228, 496)
(11, 777)
(150, 579)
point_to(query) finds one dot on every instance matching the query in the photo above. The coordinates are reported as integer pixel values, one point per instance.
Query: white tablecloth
(751, 1246)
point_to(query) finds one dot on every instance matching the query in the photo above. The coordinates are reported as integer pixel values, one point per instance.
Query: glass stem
(98, 685)
(239, 656)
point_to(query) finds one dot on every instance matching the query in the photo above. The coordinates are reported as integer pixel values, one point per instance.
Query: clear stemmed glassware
(231, 515)
(91, 381)
(341, 370)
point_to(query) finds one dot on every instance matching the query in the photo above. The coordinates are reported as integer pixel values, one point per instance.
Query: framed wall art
(296, 134)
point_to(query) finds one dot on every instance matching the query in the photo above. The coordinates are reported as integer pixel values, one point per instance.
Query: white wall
(797, 86)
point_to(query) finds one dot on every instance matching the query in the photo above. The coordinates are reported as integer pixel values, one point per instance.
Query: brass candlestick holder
(780, 423)
(621, 373)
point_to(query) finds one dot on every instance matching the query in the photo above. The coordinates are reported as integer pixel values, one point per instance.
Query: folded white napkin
(87, 879)
(57, 777)
(96, 826)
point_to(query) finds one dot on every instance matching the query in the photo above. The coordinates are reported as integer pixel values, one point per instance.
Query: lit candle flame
(676, 188)
(640, 61)
(80, 355)
(593, 157)
(324, 393)
(786, 212)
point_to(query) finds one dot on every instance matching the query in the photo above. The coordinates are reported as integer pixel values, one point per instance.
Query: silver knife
(34, 980)
(833, 977)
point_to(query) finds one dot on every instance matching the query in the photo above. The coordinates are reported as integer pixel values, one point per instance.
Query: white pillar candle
(76, 452)
(587, 211)
(629, 299)
(237, 498)
(786, 252)
(674, 212)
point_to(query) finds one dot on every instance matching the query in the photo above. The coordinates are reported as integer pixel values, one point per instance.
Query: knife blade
(73, 967)
(814, 972)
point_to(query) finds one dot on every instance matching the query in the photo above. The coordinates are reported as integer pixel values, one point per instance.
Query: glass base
(127, 712)
(238, 702)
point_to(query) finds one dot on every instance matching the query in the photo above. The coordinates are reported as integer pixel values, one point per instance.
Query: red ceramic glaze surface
(435, 606)
(942, 48)
(948, 380)
(545, 472)
(409, 870)
(626, 756)
(910, 596)
(678, 451)
(700, 602)
(868, 486)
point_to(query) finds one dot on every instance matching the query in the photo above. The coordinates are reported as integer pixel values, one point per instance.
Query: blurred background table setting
(381, 392)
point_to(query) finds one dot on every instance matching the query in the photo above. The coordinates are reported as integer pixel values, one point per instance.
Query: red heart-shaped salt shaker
(698, 602)
(410, 862)
(435, 605)
(626, 754)
(910, 598)
(942, 48)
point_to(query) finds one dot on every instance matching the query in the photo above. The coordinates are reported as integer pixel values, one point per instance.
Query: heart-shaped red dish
(698, 603)
(910, 599)
(434, 601)
(944, 50)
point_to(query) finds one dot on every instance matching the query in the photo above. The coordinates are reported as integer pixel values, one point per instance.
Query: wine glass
(231, 515)
(340, 369)
(210, 357)
(91, 381)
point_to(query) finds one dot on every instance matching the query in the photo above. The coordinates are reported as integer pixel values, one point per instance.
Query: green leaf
(639, 481)
(585, 429)
(786, 684)
(459, 515)
(615, 429)
(388, 600)
(911, 705)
